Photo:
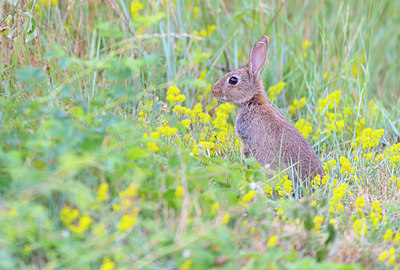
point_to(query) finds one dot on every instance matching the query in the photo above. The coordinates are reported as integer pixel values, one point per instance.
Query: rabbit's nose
(214, 90)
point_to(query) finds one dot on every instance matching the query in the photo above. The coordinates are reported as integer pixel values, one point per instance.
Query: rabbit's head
(242, 84)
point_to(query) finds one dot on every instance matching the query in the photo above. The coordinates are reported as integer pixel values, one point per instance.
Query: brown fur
(265, 133)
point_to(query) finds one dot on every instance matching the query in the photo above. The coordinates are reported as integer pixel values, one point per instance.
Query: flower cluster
(297, 105)
(304, 127)
(205, 32)
(369, 138)
(284, 187)
(173, 95)
(70, 217)
(136, 6)
(275, 90)
(329, 102)
(335, 203)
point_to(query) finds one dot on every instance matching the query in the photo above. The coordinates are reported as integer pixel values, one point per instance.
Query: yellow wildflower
(272, 241)
(330, 101)
(318, 220)
(268, 190)
(186, 123)
(396, 238)
(304, 127)
(214, 208)
(376, 207)
(136, 6)
(248, 196)
(226, 218)
(127, 221)
(388, 236)
(346, 165)
(275, 90)
(83, 224)
(187, 264)
(329, 165)
(179, 192)
(359, 227)
(196, 11)
(108, 264)
(52, 3)
(297, 105)
(167, 131)
(68, 215)
(153, 147)
(102, 192)
(370, 138)
(383, 256)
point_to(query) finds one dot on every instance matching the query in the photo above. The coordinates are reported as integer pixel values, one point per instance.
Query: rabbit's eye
(233, 80)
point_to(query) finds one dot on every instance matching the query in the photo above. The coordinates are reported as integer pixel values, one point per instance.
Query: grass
(97, 169)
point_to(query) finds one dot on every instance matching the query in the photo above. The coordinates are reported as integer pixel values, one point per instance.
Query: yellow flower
(126, 222)
(226, 218)
(153, 147)
(297, 105)
(135, 7)
(268, 190)
(396, 238)
(187, 264)
(128, 195)
(47, 2)
(370, 138)
(360, 202)
(102, 192)
(383, 256)
(179, 192)
(214, 208)
(318, 220)
(392, 153)
(392, 259)
(330, 101)
(272, 241)
(155, 135)
(195, 150)
(173, 95)
(388, 236)
(329, 165)
(346, 165)
(287, 186)
(196, 11)
(108, 264)
(167, 131)
(186, 123)
(359, 227)
(305, 44)
(248, 196)
(211, 29)
(304, 127)
(68, 215)
(83, 224)
(336, 122)
(275, 90)
(376, 207)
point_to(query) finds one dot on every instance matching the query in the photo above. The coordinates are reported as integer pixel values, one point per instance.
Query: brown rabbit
(265, 134)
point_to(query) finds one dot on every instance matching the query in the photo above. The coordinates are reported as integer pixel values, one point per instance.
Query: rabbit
(264, 132)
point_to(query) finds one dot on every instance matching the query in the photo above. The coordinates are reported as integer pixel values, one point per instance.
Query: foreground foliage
(114, 155)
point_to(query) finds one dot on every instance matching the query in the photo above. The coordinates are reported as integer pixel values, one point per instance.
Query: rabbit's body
(265, 133)
(273, 141)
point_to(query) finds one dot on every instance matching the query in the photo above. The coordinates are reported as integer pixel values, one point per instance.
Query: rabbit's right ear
(258, 55)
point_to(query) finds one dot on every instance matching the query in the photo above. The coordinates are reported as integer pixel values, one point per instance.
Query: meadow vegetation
(115, 155)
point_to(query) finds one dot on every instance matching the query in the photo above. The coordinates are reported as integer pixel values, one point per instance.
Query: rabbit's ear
(258, 55)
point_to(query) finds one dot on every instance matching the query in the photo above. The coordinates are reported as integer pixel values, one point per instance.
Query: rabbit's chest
(245, 128)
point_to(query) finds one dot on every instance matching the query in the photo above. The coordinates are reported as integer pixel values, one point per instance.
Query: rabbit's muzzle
(217, 92)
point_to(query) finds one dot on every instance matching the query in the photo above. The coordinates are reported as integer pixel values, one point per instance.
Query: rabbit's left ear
(258, 55)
